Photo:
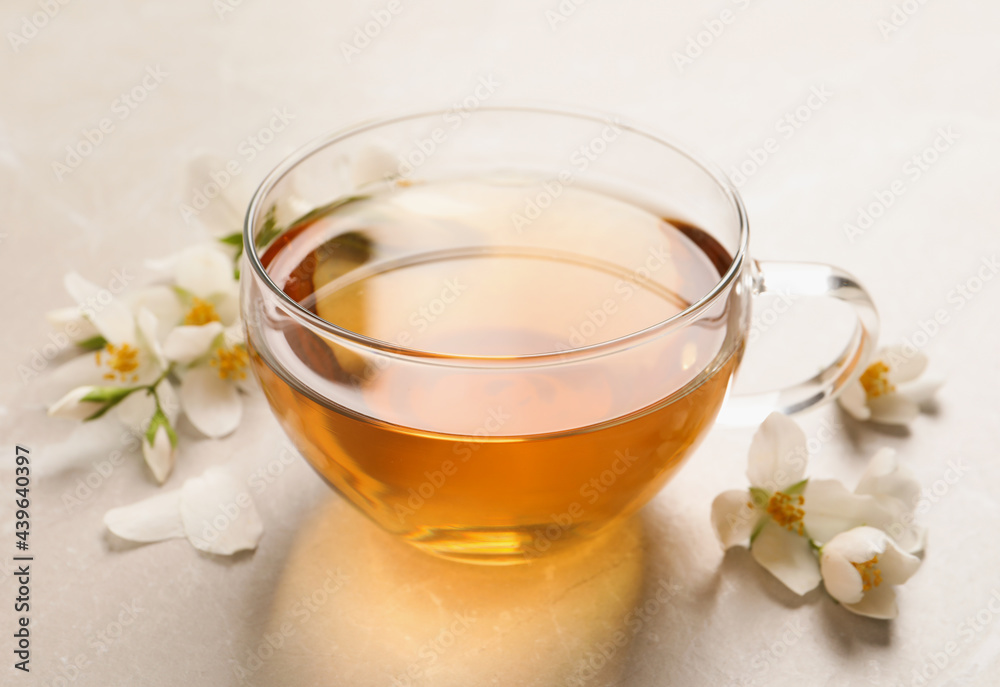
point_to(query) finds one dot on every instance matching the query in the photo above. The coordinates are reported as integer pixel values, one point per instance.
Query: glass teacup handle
(803, 279)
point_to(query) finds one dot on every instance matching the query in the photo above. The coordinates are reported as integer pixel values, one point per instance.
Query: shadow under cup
(494, 393)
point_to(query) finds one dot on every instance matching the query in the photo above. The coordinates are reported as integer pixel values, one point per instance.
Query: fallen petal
(154, 519)
(218, 514)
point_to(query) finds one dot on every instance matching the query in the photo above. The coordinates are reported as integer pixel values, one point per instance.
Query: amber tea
(507, 462)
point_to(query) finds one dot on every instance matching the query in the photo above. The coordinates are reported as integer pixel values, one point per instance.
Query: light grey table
(329, 600)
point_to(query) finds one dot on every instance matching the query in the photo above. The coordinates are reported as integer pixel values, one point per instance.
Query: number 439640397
(22, 481)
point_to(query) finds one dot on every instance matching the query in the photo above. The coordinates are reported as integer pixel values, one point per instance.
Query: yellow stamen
(122, 362)
(785, 510)
(875, 380)
(231, 362)
(201, 312)
(871, 576)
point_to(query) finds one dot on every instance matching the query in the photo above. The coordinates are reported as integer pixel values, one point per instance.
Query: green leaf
(797, 488)
(759, 496)
(237, 241)
(269, 231)
(325, 210)
(110, 396)
(94, 343)
(160, 420)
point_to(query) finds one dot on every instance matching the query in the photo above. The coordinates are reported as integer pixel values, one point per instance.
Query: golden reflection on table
(355, 606)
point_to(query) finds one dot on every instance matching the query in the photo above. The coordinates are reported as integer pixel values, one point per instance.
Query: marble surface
(329, 600)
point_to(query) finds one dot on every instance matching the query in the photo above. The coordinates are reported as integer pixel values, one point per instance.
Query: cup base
(494, 546)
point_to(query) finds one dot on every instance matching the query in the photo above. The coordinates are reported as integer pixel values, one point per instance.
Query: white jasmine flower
(770, 516)
(213, 511)
(127, 346)
(885, 497)
(861, 566)
(888, 391)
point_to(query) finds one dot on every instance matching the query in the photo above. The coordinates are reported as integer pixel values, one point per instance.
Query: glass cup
(505, 452)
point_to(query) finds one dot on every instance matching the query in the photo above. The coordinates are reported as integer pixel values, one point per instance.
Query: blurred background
(814, 109)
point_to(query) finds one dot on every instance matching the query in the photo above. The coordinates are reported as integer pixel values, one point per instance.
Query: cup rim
(313, 321)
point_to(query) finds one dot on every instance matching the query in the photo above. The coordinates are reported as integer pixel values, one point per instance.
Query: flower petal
(149, 333)
(187, 343)
(903, 366)
(778, 454)
(163, 302)
(223, 214)
(831, 509)
(897, 566)
(160, 455)
(878, 603)
(218, 514)
(204, 270)
(893, 409)
(110, 316)
(135, 411)
(211, 403)
(787, 556)
(154, 519)
(854, 400)
(65, 319)
(842, 580)
(73, 406)
(734, 518)
(921, 392)
(885, 475)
